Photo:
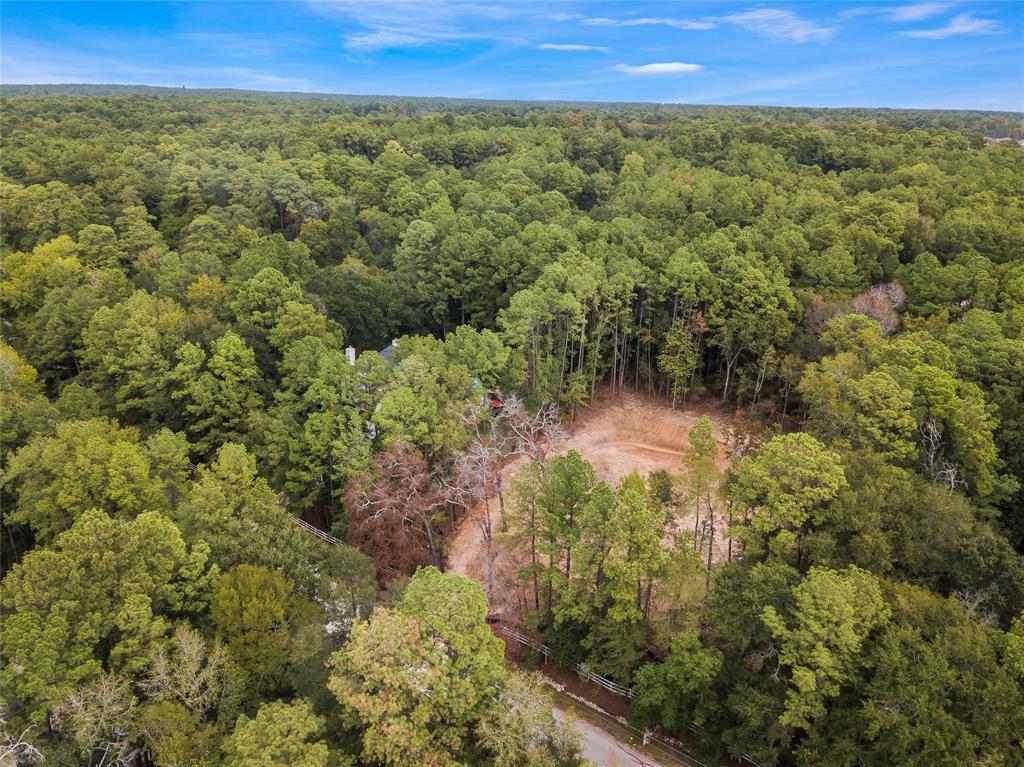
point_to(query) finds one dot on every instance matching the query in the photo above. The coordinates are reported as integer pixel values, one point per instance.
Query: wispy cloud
(675, 23)
(961, 24)
(25, 61)
(777, 84)
(917, 11)
(255, 78)
(773, 23)
(405, 23)
(562, 16)
(662, 68)
(237, 43)
(912, 12)
(573, 47)
(400, 36)
(650, 21)
(777, 24)
(30, 62)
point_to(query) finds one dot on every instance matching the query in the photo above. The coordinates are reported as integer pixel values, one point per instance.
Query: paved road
(605, 750)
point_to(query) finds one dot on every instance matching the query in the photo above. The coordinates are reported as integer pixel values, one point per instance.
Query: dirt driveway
(602, 749)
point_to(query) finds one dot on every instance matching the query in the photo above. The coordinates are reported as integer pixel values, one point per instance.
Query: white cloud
(397, 36)
(255, 78)
(773, 23)
(675, 23)
(406, 23)
(562, 16)
(962, 24)
(572, 47)
(778, 24)
(663, 68)
(650, 21)
(26, 61)
(237, 43)
(916, 11)
(912, 12)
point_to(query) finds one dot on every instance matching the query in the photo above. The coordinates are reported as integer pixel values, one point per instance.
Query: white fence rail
(580, 668)
(608, 684)
(328, 538)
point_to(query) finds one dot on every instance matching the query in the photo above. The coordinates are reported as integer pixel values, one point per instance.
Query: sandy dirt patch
(630, 433)
(617, 435)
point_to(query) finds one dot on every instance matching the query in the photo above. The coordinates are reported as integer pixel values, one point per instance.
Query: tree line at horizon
(181, 276)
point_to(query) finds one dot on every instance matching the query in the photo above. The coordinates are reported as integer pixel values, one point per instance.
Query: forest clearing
(618, 434)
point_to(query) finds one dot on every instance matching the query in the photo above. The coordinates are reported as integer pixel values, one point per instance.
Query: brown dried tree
(882, 304)
(396, 514)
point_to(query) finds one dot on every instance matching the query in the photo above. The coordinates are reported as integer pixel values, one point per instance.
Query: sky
(929, 54)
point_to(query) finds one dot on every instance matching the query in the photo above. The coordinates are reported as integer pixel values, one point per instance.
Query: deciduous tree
(280, 733)
(416, 678)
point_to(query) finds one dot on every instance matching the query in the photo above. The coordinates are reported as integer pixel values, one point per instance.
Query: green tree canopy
(98, 598)
(415, 678)
(280, 733)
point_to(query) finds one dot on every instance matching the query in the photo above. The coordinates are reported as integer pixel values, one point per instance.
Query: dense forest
(182, 275)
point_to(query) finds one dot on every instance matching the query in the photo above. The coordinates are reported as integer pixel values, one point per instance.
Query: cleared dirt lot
(630, 433)
(618, 435)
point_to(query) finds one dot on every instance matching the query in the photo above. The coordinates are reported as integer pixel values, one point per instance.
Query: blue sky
(928, 54)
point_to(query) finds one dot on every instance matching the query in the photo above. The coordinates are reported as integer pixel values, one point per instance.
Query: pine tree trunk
(615, 354)
(561, 367)
(636, 373)
(533, 555)
(485, 528)
(597, 356)
(730, 365)
(699, 357)
(711, 545)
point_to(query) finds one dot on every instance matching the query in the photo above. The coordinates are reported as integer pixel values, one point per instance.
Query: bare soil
(618, 435)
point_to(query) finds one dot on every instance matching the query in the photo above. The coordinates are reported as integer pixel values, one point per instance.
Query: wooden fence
(608, 684)
(580, 668)
(328, 538)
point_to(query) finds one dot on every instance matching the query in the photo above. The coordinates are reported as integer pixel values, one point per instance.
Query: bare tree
(973, 603)
(395, 510)
(532, 436)
(474, 482)
(937, 468)
(931, 446)
(882, 304)
(14, 748)
(743, 435)
(476, 479)
(949, 477)
(98, 718)
(819, 313)
(189, 672)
